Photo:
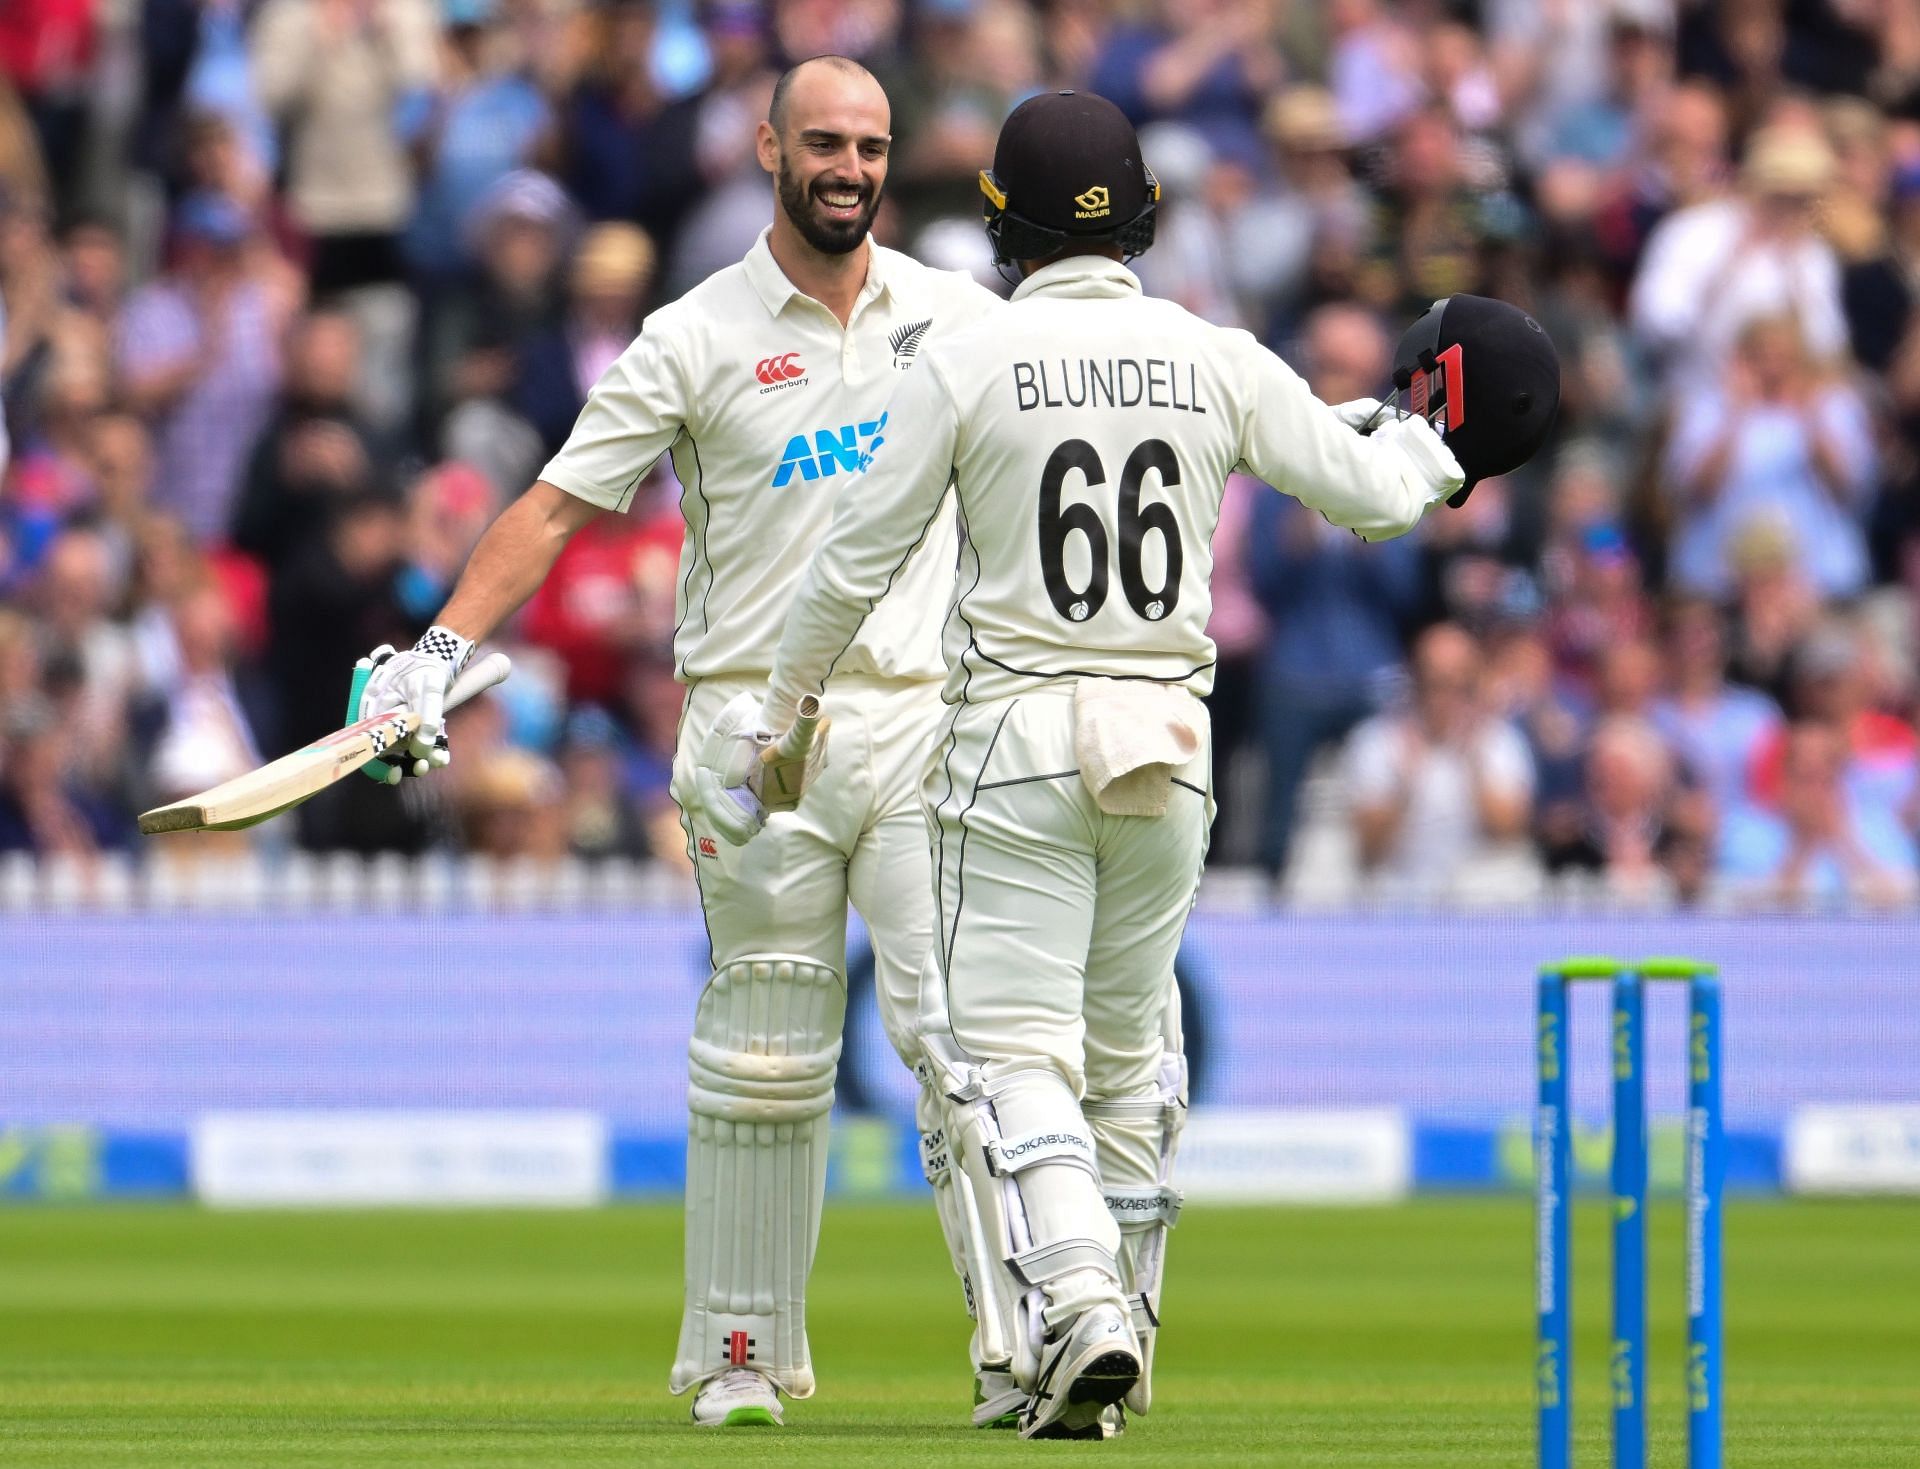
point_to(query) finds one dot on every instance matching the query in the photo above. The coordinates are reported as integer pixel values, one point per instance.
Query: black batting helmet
(1485, 375)
(1067, 170)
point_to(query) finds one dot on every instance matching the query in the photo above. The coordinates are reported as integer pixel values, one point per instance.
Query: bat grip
(806, 721)
(477, 678)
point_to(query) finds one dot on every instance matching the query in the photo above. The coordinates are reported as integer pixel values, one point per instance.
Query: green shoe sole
(1005, 1420)
(750, 1418)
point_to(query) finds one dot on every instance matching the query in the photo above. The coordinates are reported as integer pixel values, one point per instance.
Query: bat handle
(798, 740)
(478, 678)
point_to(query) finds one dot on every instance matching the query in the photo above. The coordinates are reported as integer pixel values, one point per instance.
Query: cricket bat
(796, 742)
(249, 799)
(776, 783)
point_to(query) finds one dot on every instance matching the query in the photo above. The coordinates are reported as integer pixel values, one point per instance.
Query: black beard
(829, 237)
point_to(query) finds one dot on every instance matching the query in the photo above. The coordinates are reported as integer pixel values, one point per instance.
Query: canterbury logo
(778, 369)
(1093, 203)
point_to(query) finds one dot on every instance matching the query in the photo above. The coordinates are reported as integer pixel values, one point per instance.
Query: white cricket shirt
(768, 406)
(1089, 431)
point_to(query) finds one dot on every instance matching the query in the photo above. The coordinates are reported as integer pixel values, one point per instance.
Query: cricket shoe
(997, 1399)
(737, 1398)
(1082, 1371)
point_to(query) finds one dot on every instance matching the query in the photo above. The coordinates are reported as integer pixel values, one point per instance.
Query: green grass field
(173, 1336)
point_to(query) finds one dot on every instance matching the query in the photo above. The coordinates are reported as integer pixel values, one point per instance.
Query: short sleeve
(632, 416)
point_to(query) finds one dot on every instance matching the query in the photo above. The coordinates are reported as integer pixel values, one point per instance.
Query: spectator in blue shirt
(1604, 130)
(1208, 63)
(44, 808)
(483, 120)
(631, 148)
(1777, 441)
(1716, 727)
(1822, 846)
(1337, 604)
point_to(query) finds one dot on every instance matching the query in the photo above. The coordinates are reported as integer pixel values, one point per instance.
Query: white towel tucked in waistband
(1130, 736)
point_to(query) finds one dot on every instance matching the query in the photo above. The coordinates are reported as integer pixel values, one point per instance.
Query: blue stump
(1706, 1174)
(1629, 1367)
(1553, 1182)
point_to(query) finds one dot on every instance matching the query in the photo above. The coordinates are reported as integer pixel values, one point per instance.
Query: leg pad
(761, 1065)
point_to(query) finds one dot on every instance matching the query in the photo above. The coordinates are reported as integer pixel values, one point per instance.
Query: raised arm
(879, 518)
(1379, 486)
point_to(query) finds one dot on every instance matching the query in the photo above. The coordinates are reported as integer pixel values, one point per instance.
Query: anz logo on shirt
(850, 447)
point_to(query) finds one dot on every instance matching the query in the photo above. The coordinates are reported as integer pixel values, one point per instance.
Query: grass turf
(1400, 1336)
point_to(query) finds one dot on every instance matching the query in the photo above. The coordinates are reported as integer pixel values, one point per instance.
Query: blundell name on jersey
(1115, 382)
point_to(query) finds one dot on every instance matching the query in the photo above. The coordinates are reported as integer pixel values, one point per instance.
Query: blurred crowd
(298, 293)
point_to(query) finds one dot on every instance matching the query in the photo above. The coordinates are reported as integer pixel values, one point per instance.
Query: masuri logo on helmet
(1049, 144)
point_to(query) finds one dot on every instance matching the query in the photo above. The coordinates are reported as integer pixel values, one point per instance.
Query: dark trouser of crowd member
(1297, 727)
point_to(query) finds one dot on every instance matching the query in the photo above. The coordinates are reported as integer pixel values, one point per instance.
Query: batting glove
(1430, 459)
(725, 769)
(1372, 417)
(416, 680)
(1361, 414)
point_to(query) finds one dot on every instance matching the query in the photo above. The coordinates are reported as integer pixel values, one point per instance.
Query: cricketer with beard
(767, 384)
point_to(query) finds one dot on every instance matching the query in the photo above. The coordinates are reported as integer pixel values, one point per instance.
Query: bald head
(76, 581)
(827, 71)
(1347, 353)
(1629, 768)
(1446, 680)
(825, 141)
(1446, 653)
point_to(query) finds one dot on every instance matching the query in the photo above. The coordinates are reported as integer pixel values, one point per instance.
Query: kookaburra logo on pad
(1093, 204)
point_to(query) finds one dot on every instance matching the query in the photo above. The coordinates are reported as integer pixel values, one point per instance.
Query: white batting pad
(766, 1043)
(1137, 1139)
(1022, 1137)
(989, 1288)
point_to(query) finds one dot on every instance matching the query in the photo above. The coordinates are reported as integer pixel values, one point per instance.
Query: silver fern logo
(905, 341)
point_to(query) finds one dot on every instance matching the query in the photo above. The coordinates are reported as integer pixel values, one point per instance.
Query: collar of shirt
(770, 282)
(1083, 276)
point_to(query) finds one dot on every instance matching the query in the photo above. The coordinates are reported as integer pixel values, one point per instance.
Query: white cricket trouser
(766, 1036)
(1057, 929)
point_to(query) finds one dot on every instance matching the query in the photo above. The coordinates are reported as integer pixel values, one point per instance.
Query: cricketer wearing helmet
(768, 385)
(1088, 433)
